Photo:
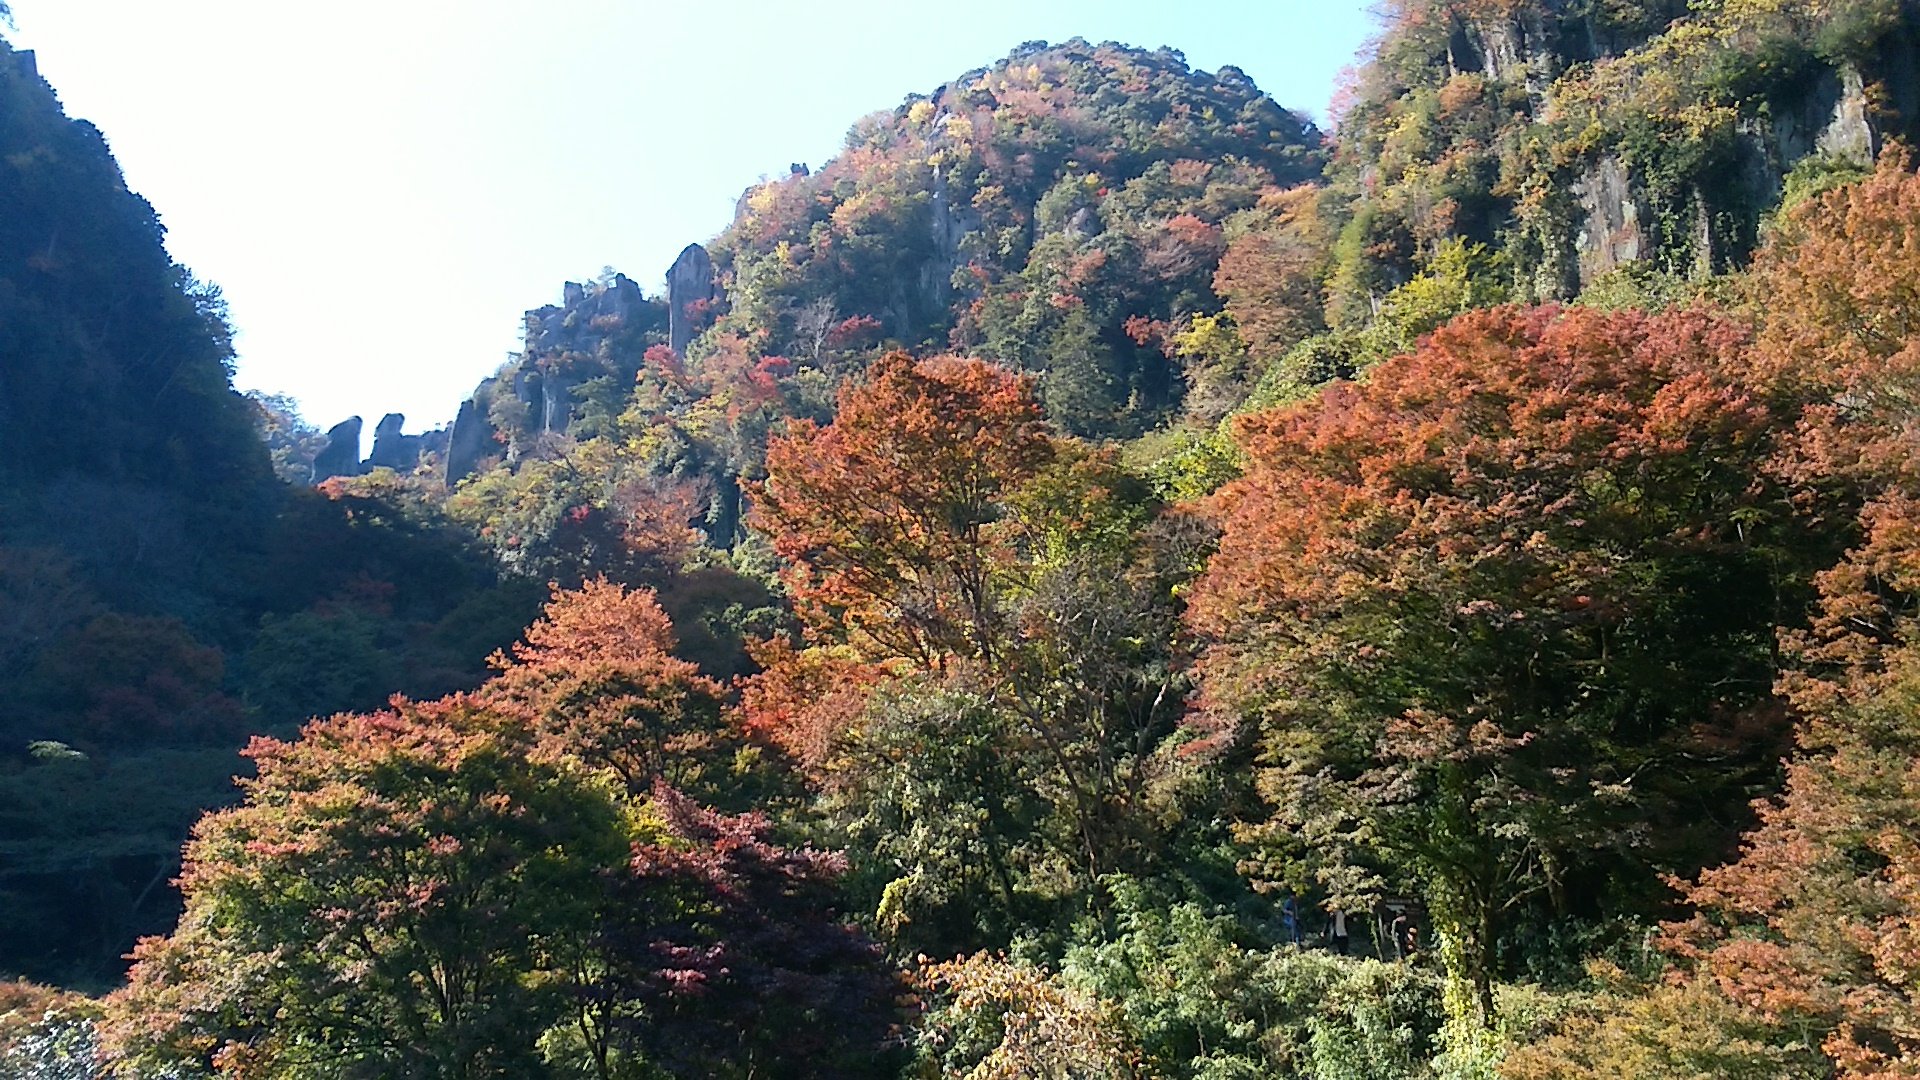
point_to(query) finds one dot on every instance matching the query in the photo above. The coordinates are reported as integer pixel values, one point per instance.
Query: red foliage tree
(1270, 277)
(124, 680)
(390, 899)
(1838, 292)
(736, 958)
(1483, 608)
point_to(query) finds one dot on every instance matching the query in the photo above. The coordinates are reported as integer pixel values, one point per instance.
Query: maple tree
(387, 898)
(1270, 275)
(1481, 611)
(597, 671)
(887, 516)
(132, 680)
(982, 623)
(1814, 927)
(805, 700)
(729, 956)
(504, 883)
(1840, 340)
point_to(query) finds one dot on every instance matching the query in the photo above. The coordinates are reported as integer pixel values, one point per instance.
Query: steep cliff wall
(1579, 139)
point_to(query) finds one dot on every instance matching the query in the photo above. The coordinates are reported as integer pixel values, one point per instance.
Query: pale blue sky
(383, 186)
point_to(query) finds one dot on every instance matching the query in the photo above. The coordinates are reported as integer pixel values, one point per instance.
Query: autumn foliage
(1817, 924)
(504, 883)
(1480, 607)
(886, 518)
(374, 902)
(1838, 294)
(598, 672)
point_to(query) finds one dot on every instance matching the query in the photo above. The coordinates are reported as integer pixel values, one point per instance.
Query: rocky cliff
(598, 331)
(1581, 139)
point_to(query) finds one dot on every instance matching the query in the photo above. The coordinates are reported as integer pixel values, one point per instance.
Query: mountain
(121, 438)
(1088, 524)
(1058, 211)
(1038, 212)
(162, 595)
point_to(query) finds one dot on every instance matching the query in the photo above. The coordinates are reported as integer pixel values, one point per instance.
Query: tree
(1499, 620)
(1815, 926)
(1270, 276)
(598, 673)
(291, 441)
(388, 901)
(1680, 1030)
(731, 960)
(1838, 295)
(992, 1017)
(934, 793)
(805, 700)
(132, 680)
(1006, 682)
(887, 517)
(502, 884)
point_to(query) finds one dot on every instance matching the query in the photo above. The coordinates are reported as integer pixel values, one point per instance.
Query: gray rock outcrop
(472, 440)
(393, 449)
(341, 457)
(691, 288)
(1610, 234)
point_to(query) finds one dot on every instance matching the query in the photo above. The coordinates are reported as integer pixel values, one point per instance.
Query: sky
(382, 187)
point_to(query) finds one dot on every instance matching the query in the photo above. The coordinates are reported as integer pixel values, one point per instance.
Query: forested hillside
(162, 597)
(1098, 579)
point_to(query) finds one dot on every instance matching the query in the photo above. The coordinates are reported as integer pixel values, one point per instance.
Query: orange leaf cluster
(597, 673)
(886, 517)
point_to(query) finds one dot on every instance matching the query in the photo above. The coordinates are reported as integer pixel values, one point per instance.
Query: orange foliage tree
(886, 517)
(1817, 925)
(1500, 619)
(1839, 296)
(1270, 276)
(598, 672)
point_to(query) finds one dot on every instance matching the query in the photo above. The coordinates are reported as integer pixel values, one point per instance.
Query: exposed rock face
(400, 452)
(342, 454)
(1715, 219)
(1610, 234)
(1710, 219)
(950, 224)
(392, 449)
(1849, 131)
(584, 318)
(559, 339)
(690, 288)
(472, 439)
(597, 331)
